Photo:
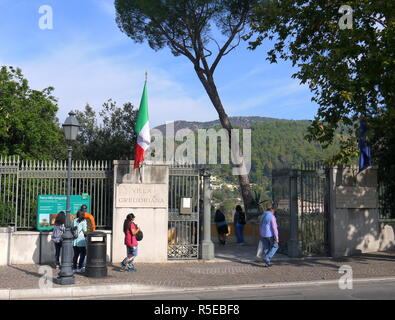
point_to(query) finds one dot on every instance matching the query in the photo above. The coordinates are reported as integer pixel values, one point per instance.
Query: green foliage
(114, 139)
(350, 72)
(28, 124)
(279, 144)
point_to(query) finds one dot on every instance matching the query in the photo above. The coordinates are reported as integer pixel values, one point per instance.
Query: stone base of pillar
(294, 250)
(207, 250)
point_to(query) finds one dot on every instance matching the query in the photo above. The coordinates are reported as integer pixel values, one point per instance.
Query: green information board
(50, 206)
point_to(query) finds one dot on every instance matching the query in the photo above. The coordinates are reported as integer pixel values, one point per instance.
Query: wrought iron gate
(183, 229)
(311, 204)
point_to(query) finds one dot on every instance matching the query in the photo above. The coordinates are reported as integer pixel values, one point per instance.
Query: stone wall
(31, 247)
(354, 216)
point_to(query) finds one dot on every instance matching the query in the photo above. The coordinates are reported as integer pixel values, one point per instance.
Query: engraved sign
(142, 196)
(356, 197)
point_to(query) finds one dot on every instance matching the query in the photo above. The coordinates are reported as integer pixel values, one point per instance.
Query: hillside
(276, 143)
(241, 122)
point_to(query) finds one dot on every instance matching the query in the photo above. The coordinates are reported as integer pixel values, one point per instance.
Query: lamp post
(66, 277)
(207, 245)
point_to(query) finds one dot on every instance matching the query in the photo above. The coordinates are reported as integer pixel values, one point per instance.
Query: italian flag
(142, 129)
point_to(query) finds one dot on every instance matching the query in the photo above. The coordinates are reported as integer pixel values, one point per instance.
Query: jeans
(270, 248)
(239, 233)
(58, 246)
(79, 252)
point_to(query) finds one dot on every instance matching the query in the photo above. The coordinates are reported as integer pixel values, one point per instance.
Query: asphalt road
(382, 290)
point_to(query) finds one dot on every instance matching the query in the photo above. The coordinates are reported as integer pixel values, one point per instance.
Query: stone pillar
(294, 249)
(354, 216)
(207, 247)
(145, 196)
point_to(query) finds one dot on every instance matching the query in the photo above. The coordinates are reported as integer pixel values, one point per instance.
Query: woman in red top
(130, 229)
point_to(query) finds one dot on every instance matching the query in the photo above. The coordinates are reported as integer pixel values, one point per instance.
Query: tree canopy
(28, 124)
(351, 72)
(108, 137)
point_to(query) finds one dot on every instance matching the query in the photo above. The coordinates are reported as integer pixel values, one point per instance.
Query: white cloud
(80, 74)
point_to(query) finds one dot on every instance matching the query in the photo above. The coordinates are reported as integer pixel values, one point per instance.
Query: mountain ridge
(245, 122)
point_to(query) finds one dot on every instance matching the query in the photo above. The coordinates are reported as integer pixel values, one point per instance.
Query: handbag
(259, 252)
(139, 235)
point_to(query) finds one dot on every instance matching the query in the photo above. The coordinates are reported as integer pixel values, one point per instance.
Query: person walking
(269, 235)
(80, 229)
(239, 220)
(222, 226)
(57, 234)
(130, 230)
(90, 220)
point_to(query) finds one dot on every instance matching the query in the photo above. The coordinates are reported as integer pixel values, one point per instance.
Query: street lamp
(66, 277)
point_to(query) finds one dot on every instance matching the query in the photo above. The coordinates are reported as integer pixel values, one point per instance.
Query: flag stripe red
(139, 156)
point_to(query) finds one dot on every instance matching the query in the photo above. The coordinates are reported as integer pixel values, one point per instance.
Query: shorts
(131, 251)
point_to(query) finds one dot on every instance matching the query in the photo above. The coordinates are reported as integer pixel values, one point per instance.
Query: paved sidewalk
(229, 269)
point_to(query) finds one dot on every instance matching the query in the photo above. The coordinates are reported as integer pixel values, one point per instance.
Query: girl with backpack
(131, 230)
(239, 222)
(79, 230)
(222, 226)
(57, 234)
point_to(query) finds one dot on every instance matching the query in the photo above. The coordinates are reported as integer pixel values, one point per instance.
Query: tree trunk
(212, 92)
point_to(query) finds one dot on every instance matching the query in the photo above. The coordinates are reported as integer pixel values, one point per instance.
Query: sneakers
(267, 264)
(122, 267)
(132, 268)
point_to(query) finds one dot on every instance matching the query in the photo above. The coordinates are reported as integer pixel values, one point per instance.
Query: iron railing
(22, 181)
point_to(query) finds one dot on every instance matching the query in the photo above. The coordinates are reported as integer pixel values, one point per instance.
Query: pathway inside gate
(232, 252)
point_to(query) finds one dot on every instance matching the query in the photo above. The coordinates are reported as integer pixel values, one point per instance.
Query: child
(130, 229)
(57, 235)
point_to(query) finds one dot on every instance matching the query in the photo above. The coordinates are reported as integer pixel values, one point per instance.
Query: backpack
(74, 231)
(57, 234)
(139, 235)
(242, 218)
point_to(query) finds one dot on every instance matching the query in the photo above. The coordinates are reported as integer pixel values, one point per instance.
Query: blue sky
(87, 59)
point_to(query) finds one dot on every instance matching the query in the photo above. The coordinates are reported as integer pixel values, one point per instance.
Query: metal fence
(183, 229)
(22, 181)
(313, 217)
(386, 193)
(310, 203)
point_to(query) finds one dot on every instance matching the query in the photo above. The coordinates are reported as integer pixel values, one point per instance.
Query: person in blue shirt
(269, 235)
(79, 242)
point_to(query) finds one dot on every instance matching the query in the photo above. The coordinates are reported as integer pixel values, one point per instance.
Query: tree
(186, 27)
(28, 124)
(349, 71)
(110, 140)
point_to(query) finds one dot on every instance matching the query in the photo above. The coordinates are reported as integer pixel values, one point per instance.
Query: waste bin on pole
(96, 255)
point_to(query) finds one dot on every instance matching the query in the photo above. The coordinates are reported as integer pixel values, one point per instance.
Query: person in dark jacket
(222, 226)
(239, 222)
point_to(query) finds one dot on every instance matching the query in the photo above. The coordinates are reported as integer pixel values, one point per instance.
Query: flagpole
(141, 163)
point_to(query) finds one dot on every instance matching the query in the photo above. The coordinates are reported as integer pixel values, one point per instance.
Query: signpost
(50, 206)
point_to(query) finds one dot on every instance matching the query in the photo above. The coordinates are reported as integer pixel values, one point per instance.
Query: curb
(80, 291)
(137, 289)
